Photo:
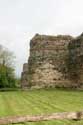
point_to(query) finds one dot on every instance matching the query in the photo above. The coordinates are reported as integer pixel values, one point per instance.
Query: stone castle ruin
(54, 61)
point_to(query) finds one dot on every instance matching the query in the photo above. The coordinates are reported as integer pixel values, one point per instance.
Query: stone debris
(37, 118)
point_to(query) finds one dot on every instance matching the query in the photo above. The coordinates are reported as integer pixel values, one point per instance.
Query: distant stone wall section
(24, 77)
(54, 61)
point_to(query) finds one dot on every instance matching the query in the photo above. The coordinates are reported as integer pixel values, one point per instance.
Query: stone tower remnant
(54, 61)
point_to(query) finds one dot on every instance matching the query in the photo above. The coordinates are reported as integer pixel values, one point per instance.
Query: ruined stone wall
(75, 61)
(51, 62)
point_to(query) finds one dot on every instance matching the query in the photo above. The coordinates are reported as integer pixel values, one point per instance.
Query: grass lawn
(39, 102)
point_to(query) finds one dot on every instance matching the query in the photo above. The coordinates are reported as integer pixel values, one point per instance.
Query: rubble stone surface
(54, 61)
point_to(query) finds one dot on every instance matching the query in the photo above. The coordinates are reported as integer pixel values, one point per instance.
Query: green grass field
(39, 102)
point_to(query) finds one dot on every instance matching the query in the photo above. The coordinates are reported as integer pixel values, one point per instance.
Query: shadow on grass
(41, 89)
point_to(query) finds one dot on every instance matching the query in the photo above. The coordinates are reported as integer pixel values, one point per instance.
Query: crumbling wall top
(51, 38)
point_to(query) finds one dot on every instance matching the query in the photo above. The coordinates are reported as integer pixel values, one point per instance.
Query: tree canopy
(7, 75)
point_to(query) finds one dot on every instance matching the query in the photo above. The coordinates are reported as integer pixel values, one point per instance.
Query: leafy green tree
(3, 78)
(7, 75)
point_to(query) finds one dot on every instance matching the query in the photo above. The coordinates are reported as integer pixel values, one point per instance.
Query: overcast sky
(21, 19)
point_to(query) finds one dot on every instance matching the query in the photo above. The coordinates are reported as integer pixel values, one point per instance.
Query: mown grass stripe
(41, 101)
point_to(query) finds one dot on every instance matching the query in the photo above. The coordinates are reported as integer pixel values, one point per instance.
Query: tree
(6, 57)
(7, 75)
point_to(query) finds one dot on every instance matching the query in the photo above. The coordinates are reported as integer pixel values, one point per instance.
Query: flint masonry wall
(53, 62)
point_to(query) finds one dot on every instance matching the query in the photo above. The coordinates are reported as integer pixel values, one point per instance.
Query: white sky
(21, 19)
